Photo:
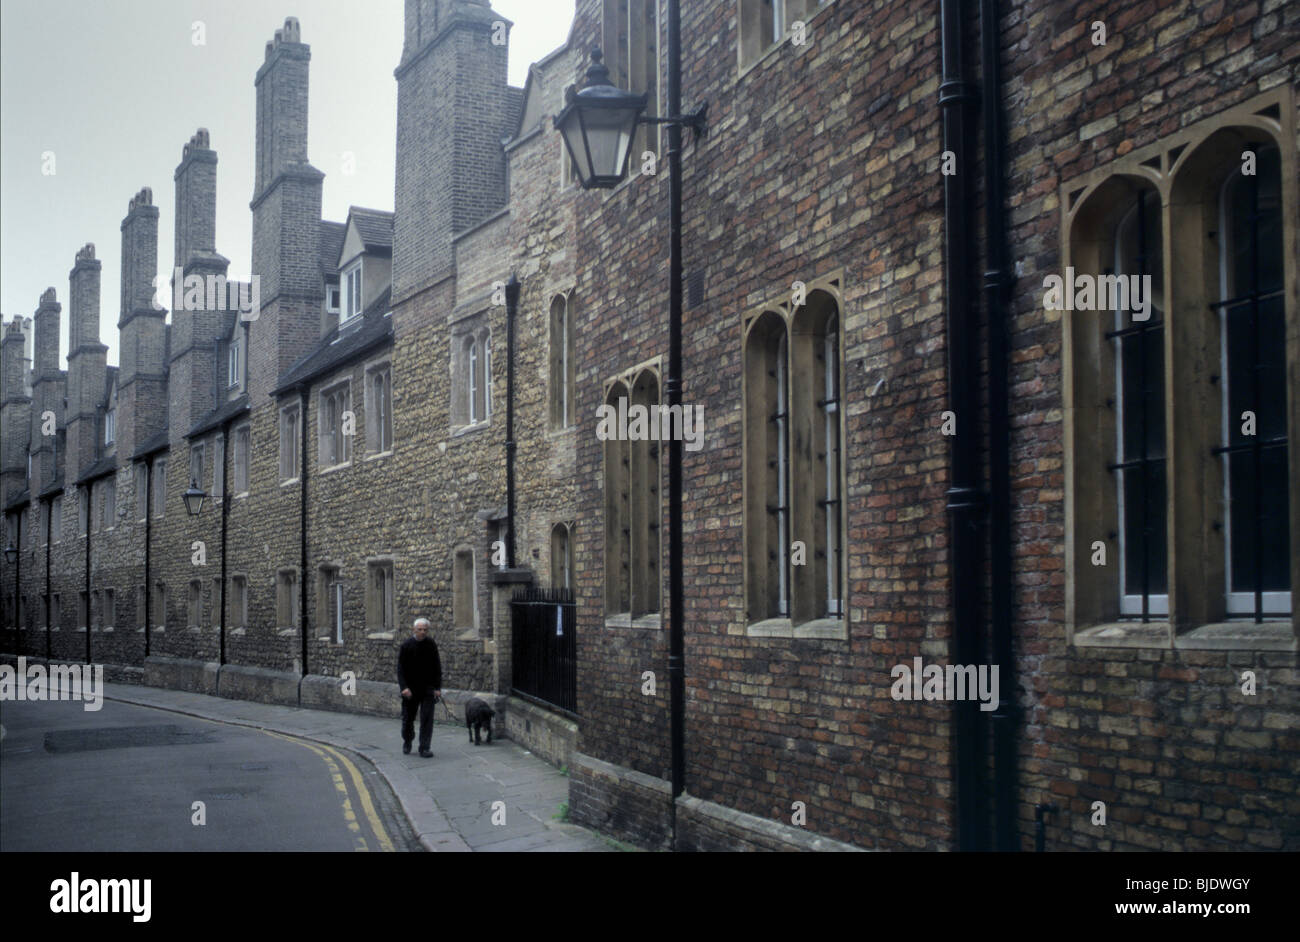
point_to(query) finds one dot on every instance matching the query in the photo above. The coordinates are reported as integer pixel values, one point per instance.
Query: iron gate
(544, 652)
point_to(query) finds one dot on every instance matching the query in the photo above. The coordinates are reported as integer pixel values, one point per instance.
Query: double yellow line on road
(329, 754)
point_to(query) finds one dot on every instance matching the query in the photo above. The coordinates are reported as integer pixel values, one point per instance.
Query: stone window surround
(647, 137)
(296, 408)
(478, 326)
(244, 428)
(194, 605)
(1197, 619)
(237, 603)
(141, 491)
(628, 379)
(287, 576)
(373, 633)
(748, 19)
(197, 456)
(328, 572)
(218, 467)
(832, 284)
(564, 530)
(324, 393)
(556, 365)
(159, 599)
(216, 603)
(384, 362)
(108, 502)
(464, 589)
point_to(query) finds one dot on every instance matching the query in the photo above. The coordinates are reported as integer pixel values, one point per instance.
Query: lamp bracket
(697, 120)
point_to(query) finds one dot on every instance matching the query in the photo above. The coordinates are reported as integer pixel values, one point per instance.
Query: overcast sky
(114, 90)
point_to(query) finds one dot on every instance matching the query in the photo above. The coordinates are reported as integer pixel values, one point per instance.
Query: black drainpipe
(226, 495)
(18, 586)
(49, 533)
(90, 513)
(512, 307)
(967, 503)
(996, 283)
(148, 548)
(302, 525)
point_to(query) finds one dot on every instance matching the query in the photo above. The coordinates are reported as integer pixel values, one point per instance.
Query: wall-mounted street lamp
(11, 554)
(598, 124)
(194, 498)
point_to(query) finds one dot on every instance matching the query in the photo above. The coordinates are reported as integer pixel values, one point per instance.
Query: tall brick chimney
(195, 332)
(47, 389)
(15, 407)
(286, 215)
(87, 363)
(453, 108)
(141, 381)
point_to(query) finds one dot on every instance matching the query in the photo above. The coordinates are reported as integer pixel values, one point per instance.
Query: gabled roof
(331, 244)
(219, 416)
(374, 226)
(342, 344)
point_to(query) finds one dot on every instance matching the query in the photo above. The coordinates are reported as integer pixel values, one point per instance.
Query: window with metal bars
(1140, 465)
(1254, 446)
(794, 540)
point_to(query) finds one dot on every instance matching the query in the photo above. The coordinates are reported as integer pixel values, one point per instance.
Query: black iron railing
(544, 662)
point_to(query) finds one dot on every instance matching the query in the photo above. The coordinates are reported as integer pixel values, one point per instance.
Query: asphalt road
(127, 778)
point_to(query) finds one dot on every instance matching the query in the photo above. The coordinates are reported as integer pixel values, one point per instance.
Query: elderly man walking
(419, 675)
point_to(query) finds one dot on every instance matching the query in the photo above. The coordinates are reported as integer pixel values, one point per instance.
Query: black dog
(478, 715)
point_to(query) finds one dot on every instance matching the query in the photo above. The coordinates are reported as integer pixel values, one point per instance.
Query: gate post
(504, 583)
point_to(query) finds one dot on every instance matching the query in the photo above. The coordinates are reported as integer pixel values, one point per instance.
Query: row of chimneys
(143, 411)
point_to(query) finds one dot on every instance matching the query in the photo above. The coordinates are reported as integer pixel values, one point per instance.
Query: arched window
(485, 379)
(1177, 456)
(475, 403)
(794, 510)
(618, 549)
(644, 457)
(1139, 351)
(1254, 449)
(561, 364)
(817, 510)
(767, 473)
(561, 559)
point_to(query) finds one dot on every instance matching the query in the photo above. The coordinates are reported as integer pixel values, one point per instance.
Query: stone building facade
(350, 430)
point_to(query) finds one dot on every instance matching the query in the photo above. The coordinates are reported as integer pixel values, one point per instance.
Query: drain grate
(123, 737)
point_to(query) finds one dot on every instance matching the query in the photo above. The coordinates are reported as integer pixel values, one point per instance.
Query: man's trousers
(424, 705)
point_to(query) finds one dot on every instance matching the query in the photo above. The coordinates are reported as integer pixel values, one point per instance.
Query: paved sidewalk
(448, 799)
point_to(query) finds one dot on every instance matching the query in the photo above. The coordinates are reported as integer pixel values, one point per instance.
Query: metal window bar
(1256, 447)
(1144, 463)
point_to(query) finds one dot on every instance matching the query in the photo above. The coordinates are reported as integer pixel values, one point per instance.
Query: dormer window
(332, 299)
(352, 291)
(233, 364)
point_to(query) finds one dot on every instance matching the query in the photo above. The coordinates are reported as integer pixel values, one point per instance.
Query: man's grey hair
(416, 623)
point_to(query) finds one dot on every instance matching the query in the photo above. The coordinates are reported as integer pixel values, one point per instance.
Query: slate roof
(22, 498)
(218, 417)
(332, 235)
(101, 468)
(154, 443)
(54, 487)
(342, 344)
(374, 226)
